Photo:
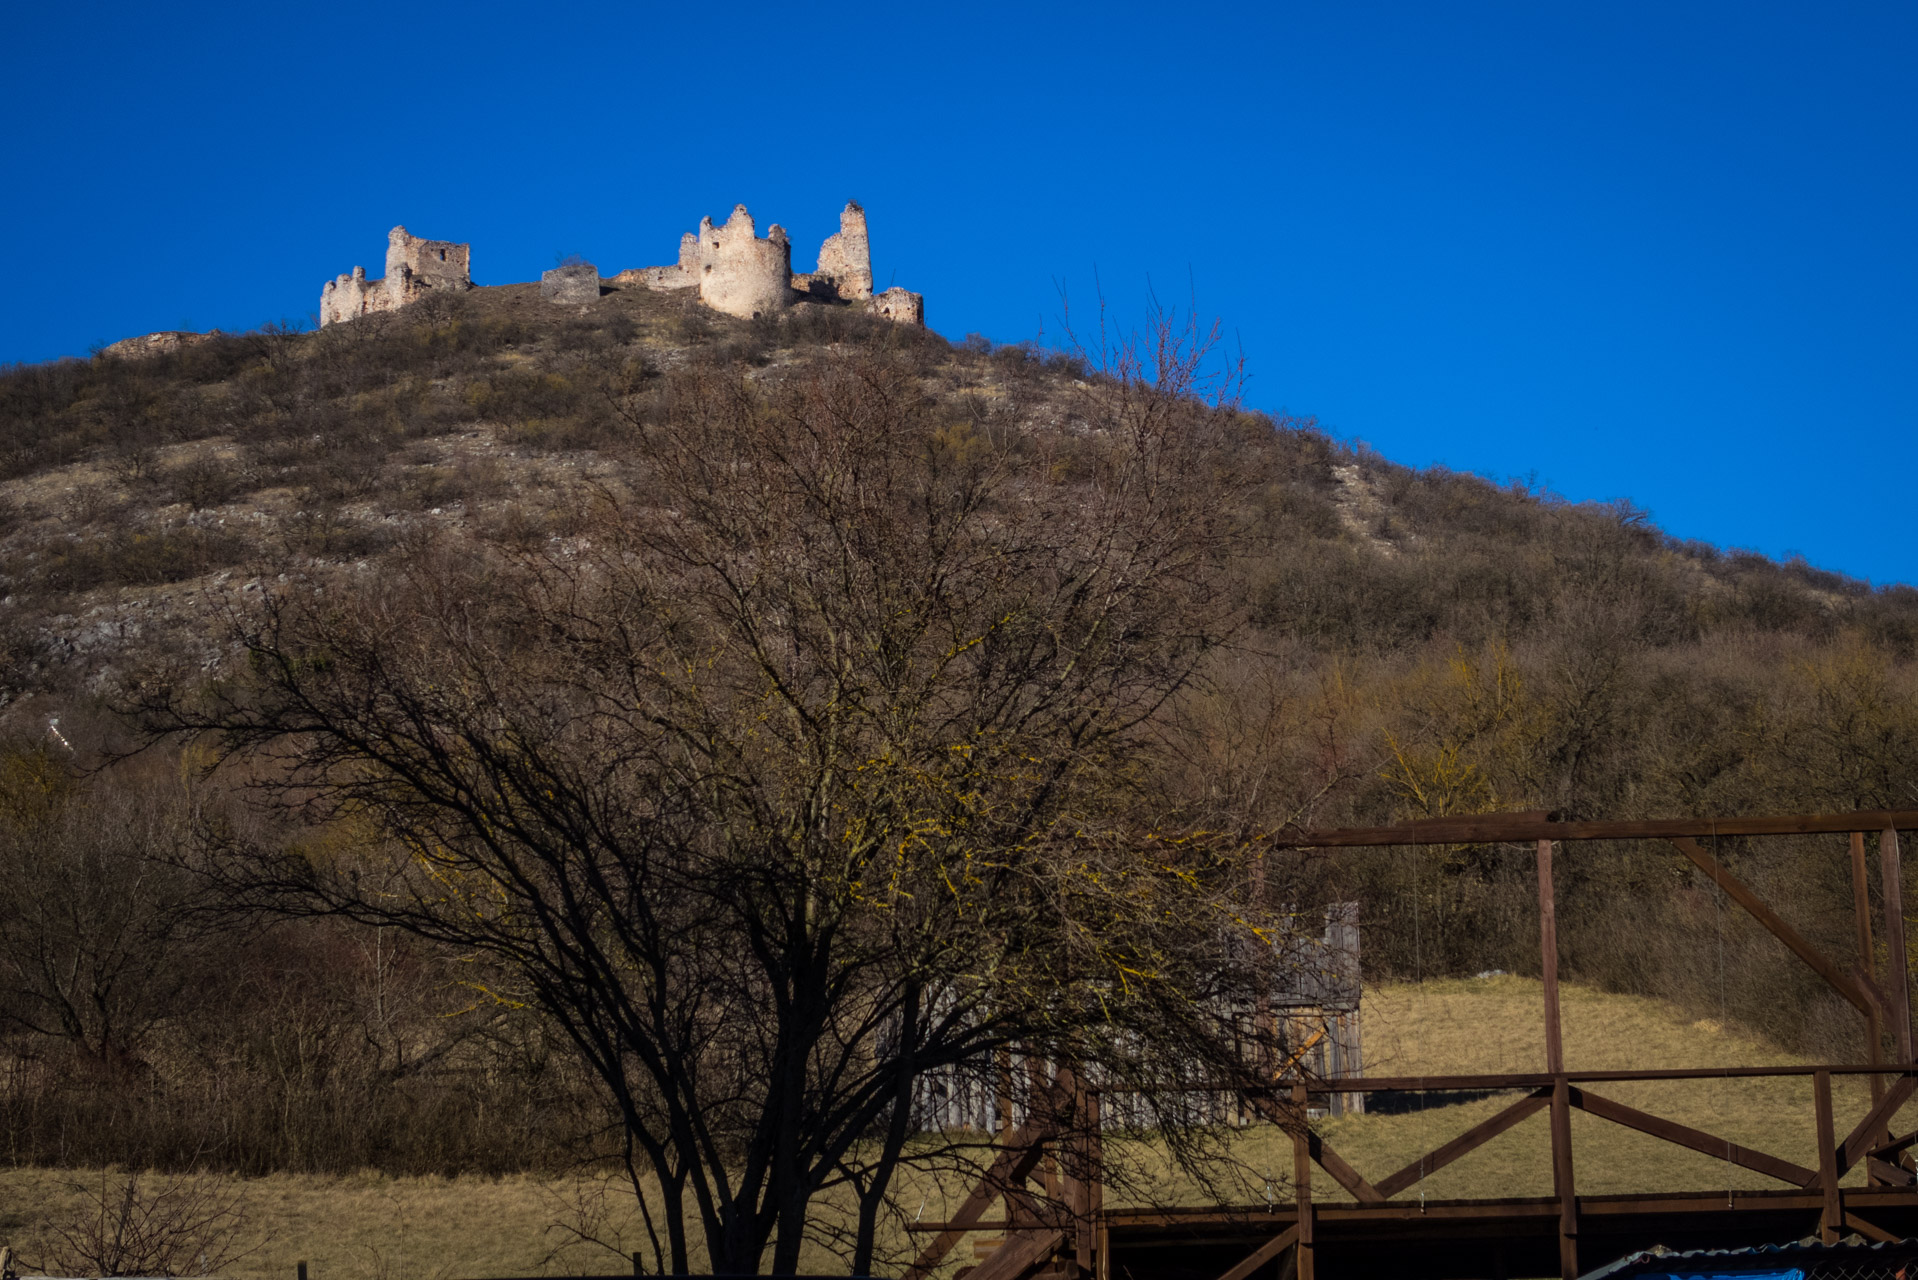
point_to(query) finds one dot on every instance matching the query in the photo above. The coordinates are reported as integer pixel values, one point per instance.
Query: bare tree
(145, 1226)
(95, 945)
(787, 782)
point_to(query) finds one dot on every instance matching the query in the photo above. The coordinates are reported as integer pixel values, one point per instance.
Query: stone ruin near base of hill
(735, 271)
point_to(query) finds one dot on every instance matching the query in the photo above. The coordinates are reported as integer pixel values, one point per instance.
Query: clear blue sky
(1659, 251)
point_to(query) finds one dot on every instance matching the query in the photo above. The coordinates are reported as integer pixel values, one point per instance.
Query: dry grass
(1497, 1024)
(434, 1229)
(371, 1226)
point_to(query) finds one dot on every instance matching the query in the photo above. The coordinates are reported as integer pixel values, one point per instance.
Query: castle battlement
(735, 269)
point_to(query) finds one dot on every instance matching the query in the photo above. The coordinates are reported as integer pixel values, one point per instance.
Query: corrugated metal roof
(1798, 1255)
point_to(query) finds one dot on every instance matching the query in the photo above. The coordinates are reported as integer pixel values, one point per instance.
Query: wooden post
(1897, 981)
(1548, 958)
(1833, 1219)
(299, 1268)
(1562, 1184)
(1867, 962)
(1302, 1182)
(1082, 1177)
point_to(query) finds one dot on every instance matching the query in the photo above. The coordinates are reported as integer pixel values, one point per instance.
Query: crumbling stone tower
(739, 273)
(414, 268)
(845, 261)
(742, 275)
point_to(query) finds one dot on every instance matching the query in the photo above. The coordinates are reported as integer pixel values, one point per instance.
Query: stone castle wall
(435, 264)
(742, 275)
(901, 306)
(414, 268)
(735, 270)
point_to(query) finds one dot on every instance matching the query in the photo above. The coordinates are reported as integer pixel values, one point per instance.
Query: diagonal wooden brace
(1018, 1156)
(1862, 1138)
(1021, 1253)
(1697, 1139)
(1263, 1254)
(1860, 995)
(1469, 1141)
(1323, 1156)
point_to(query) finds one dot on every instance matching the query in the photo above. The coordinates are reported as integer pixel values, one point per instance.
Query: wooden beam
(1524, 828)
(1696, 1139)
(1263, 1254)
(1889, 1149)
(1864, 1137)
(1834, 1213)
(1018, 1154)
(1548, 959)
(1869, 1231)
(1021, 1252)
(1493, 1081)
(1302, 1185)
(1342, 1173)
(1471, 1140)
(1562, 1184)
(1867, 959)
(1736, 889)
(1897, 964)
(1321, 1154)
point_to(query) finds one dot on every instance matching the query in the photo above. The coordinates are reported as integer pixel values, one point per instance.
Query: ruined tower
(845, 261)
(739, 273)
(414, 268)
(742, 275)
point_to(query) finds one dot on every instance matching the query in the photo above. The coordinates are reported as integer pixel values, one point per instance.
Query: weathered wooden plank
(1316, 1149)
(1497, 1080)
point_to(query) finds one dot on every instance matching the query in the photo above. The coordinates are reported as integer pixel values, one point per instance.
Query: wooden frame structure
(1066, 1232)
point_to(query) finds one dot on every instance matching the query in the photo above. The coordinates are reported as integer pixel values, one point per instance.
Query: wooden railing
(1066, 1225)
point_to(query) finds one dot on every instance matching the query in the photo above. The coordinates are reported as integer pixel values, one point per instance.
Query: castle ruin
(414, 268)
(742, 275)
(735, 270)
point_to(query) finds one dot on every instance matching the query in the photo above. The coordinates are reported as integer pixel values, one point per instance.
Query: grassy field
(435, 1229)
(1497, 1024)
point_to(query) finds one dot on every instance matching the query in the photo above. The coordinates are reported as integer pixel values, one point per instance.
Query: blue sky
(1662, 252)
